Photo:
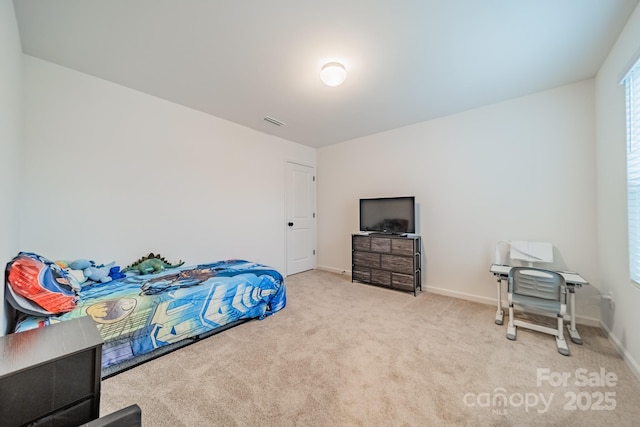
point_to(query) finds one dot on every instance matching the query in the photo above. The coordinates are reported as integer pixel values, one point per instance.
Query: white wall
(10, 137)
(113, 174)
(521, 169)
(613, 254)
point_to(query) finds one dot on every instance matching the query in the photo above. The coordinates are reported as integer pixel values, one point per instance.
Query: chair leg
(511, 327)
(561, 343)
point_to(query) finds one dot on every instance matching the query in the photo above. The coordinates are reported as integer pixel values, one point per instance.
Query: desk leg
(499, 313)
(571, 327)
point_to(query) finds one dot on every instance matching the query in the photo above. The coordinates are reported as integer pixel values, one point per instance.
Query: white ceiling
(407, 61)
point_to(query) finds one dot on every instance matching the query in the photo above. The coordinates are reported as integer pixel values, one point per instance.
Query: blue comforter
(138, 314)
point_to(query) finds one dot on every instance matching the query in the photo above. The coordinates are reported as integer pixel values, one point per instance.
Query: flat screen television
(395, 215)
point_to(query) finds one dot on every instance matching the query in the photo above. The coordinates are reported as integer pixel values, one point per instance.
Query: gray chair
(131, 416)
(539, 291)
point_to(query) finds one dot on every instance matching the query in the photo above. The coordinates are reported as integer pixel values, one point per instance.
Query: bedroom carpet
(349, 354)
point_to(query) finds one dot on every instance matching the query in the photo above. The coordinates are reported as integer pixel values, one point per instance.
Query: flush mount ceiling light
(333, 74)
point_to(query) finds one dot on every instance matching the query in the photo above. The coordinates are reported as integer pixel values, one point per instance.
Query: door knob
(290, 224)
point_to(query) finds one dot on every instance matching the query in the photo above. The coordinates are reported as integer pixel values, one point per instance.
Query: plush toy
(76, 273)
(115, 273)
(151, 264)
(81, 264)
(84, 269)
(62, 264)
(99, 273)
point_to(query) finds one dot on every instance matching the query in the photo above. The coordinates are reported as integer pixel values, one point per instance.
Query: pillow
(42, 282)
(22, 304)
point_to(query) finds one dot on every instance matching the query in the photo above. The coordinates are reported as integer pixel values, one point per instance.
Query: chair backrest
(536, 282)
(131, 416)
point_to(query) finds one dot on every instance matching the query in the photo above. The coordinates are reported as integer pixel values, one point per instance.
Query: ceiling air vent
(273, 121)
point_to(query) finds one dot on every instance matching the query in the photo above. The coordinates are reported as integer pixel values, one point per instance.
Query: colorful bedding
(139, 314)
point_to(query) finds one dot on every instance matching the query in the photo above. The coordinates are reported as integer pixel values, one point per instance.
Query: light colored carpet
(345, 353)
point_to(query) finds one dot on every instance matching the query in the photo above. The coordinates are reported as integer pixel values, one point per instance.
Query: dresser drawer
(381, 277)
(366, 259)
(45, 388)
(402, 281)
(402, 247)
(361, 274)
(361, 243)
(68, 417)
(381, 244)
(398, 264)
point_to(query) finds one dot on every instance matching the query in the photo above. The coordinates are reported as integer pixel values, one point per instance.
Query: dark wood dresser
(51, 376)
(387, 260)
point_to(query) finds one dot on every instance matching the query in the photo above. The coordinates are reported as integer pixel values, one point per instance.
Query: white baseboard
(461, 295)
(584, 320)
(333, 270)
(629, 360)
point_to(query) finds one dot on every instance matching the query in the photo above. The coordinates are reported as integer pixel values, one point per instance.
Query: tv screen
(388, 215)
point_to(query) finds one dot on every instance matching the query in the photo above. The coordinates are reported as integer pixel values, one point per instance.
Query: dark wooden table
(51, 376)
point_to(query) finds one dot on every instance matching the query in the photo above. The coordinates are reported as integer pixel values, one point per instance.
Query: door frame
(286, 219)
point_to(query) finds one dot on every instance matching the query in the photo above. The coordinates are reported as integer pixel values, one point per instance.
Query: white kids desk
(572, 280)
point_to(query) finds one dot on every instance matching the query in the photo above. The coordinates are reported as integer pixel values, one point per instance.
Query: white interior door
(301, 218)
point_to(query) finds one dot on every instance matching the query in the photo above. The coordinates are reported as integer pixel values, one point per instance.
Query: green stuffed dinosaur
(151, 264)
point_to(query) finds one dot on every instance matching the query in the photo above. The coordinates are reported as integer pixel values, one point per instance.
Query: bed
(143, 316)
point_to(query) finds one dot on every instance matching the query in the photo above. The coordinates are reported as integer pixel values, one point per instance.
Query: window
(632, 88)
